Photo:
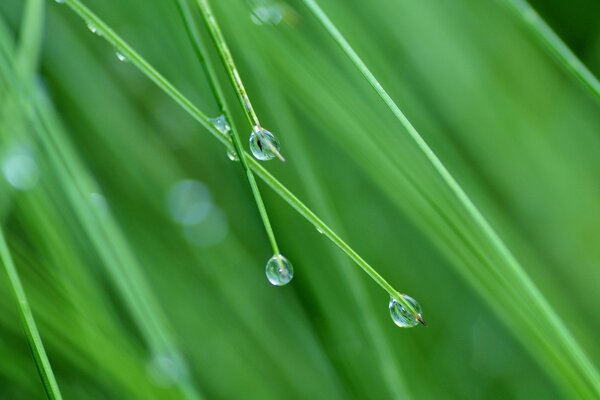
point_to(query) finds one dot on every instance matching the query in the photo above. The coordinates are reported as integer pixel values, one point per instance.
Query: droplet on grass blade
(93, 28)
(20, 169)
(221, 124)
(279, 270)
(321, 231)
(120, 56)
(232, 155)
(263, 144)
(401, 315)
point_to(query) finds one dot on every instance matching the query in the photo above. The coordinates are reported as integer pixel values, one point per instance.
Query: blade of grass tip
(215, 86)
(136, 60)
(580, 358)
(539, 28)
(33, 336)
(232, 71)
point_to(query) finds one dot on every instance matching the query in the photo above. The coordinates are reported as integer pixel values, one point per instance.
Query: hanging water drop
(221, 124)
(120, 56)
(402, 316)
(263, 144)
(279, 270)
(232, 155)
(93, 28)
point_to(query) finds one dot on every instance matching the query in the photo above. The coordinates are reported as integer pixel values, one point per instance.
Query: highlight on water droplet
(221, 124)
(120, 56)
(264, 145)
(93, 28)
(20, 169)
(166, 369)
(402, 316)
(189, 202)
(279, 270)
(232, 155)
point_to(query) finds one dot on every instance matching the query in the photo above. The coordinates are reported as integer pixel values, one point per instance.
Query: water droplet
(20, 169)
(208, 232)
(263, 144)
(166, 369)
(94, 29)
(267, 14)
(60, 1)
(189, 202)
(221, 124)
(232, 155)
(401, 315)
(321, 231)
(120, 56)
(279, 270)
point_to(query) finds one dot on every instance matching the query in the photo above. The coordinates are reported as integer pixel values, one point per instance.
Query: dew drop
(267, 14)
(279, 270)
(221, 124)
(20, 169)
(401, 315)
(321, 231)
(94, 29)
(263, 144)
(232, 155)
(120, 56)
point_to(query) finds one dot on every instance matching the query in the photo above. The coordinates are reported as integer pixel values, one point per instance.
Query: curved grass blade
(33, 336)
(136, 60)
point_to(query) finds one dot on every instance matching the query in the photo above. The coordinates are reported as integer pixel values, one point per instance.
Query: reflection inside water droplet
(279, 270)
(401, 315)
(263, 144)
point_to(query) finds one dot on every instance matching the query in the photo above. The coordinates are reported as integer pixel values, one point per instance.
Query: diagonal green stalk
(232, 71)
(33, 336)
(544, 33)
(578, 357)
(136, 60)
(215, 86)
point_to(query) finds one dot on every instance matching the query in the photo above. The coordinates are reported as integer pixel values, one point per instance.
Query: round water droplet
(20, 169)
(189, 202)
(93, 28)
(221, 124)
(232, 155)
(279, 270)
(120, 56)
(401, 315)
(263, 144)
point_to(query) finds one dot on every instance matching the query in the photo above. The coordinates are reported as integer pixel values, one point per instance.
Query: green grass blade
(544, 33)
(202, 55)
(33, 336)
(136, 60)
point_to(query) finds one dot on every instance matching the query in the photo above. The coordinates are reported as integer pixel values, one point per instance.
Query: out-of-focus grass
(518, 133)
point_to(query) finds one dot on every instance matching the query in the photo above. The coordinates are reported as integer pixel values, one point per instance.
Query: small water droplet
(279, 270)
(321, 231)
(189, 202)
(401, 315)
(221, 124)
(120, 56)
(20, 169)
(263, 144)
(232, 155)
(93, 28)
(271, 14)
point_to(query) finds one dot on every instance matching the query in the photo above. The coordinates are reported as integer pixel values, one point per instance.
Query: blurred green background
(165, 297)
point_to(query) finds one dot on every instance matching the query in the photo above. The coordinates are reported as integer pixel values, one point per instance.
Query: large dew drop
(263, 144)
(279, 270)
(401, 315)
